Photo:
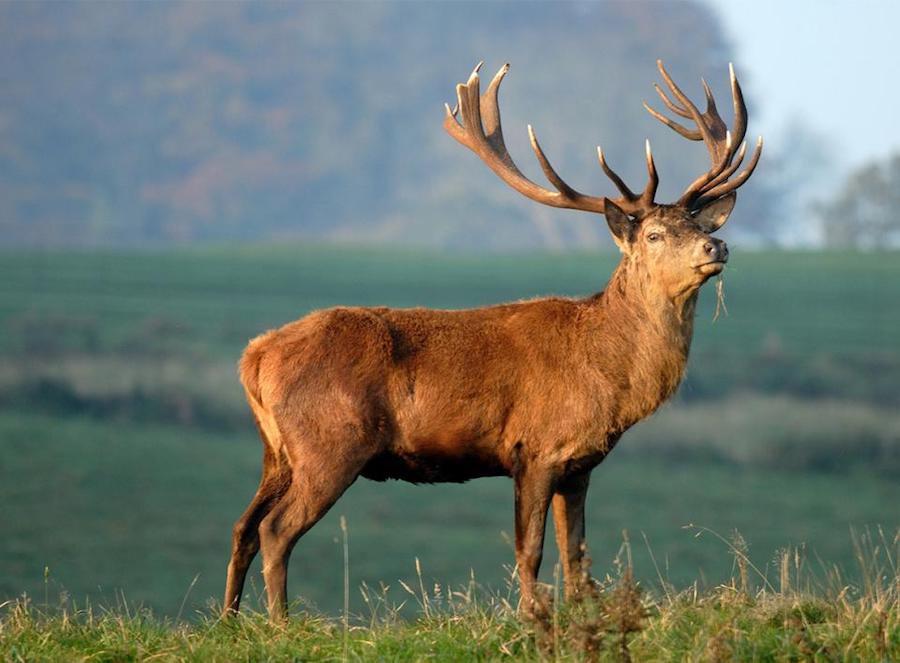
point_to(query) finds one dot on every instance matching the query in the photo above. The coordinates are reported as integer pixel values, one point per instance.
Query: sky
(833, 65)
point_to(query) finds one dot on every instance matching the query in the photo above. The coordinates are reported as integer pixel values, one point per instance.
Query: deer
(538, 390)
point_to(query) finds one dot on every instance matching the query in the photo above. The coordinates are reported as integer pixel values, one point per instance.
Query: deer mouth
(711, 267)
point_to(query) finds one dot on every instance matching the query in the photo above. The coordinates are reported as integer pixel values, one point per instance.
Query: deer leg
(245, 534)
(568, 519)
(315, 487)
(533, 489)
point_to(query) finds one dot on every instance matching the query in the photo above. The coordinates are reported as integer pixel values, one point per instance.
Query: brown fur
(537, 390)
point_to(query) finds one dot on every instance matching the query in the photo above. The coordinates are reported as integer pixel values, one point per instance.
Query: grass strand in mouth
(720, 297)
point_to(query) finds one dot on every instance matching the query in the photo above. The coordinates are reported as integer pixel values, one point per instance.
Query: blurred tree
(776, 202)
(866, 212)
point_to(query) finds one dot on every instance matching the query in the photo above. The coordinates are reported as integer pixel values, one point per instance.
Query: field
(128, 452)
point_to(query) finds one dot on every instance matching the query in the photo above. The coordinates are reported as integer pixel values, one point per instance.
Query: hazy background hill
(157, 123)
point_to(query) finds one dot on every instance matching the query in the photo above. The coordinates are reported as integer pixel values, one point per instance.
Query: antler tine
(690, 134)
(614, 177)
(740, 108)
(468, 95)
(480, 131)
(671, 105)
(652, 176)
(551, 175)
(490, 114)
(710, 100)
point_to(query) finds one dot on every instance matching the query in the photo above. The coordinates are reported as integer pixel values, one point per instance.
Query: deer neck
(644, 336)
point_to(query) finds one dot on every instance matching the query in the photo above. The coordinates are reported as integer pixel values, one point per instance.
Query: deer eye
(654, 237)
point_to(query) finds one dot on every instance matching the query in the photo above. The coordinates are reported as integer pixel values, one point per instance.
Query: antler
(723, 145)
(481, 132)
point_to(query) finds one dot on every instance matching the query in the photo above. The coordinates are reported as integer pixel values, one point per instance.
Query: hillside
(172, 123)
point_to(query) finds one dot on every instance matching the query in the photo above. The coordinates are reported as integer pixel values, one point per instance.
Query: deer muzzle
(713, 256)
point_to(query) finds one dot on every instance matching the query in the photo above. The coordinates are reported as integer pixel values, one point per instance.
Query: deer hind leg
(245, 535)
(318, 480)
(533, 490)
(568, 519)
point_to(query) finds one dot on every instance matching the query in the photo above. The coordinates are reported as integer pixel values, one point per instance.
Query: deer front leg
(568, 520)
(533, 490)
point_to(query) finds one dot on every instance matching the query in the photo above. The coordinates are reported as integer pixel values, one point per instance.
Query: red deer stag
(539, 390)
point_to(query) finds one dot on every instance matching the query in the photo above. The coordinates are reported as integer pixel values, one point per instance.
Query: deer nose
(716, 249)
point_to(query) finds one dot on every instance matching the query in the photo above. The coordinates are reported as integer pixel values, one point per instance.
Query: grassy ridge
(710, 629)
(799, 619)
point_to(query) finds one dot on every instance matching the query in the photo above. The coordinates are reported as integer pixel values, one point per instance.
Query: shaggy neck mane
(643, 337)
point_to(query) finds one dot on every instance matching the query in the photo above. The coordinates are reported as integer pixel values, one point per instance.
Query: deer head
(670, 244)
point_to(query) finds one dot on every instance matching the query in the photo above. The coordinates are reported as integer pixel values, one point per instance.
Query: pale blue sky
(833, 64)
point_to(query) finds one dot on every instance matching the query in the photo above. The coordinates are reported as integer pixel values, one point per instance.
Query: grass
(810, 325)
(804, 617)
(801, 302)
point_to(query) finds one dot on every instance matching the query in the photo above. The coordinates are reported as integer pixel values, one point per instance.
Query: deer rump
(419, 395)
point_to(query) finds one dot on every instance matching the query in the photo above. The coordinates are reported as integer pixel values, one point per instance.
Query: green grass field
(127, 451)
(804, 302)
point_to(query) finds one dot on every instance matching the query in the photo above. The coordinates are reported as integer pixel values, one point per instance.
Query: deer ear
(713, 216)
(620, 224)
